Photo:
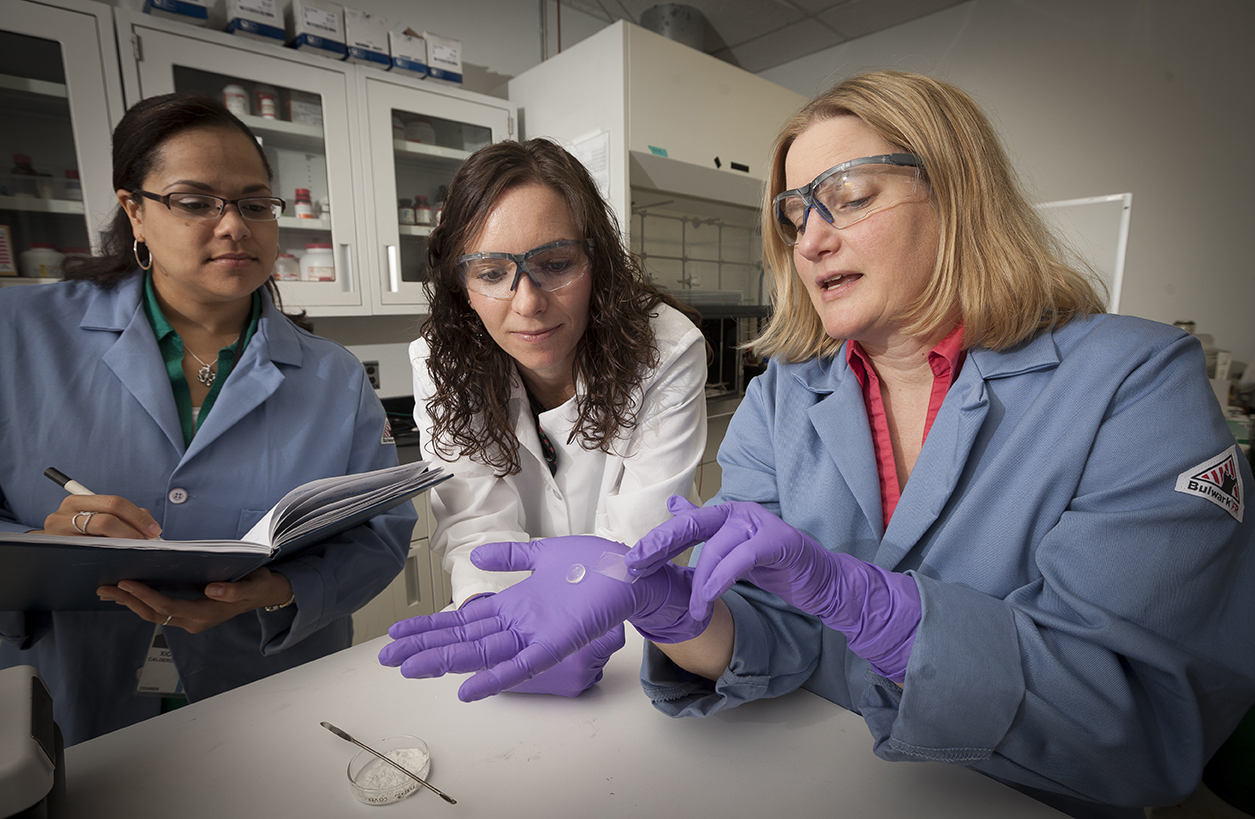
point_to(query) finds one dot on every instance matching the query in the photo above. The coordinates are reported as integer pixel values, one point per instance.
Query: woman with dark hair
(1006, 529)
(563, 390)
(163, 376)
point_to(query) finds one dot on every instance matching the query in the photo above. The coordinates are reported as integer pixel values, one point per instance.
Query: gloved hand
(877, 610)
(565, 604)
(579, 672)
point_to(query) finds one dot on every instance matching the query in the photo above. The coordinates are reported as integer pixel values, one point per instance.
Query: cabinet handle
(394, 269)
(346, 252)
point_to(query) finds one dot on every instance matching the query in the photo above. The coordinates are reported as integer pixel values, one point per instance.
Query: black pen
(72, 486)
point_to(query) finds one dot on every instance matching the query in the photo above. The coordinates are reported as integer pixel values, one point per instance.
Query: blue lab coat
(83, 388)
(1087, 628)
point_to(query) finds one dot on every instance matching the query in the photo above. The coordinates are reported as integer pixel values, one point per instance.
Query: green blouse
(171, 347)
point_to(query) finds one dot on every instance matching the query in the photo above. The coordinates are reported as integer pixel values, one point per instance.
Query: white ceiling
(761, 34)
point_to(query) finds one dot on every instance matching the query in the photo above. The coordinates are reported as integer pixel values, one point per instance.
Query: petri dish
(375, 782)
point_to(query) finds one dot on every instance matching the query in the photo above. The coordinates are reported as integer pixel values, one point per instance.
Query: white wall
(1153, 97)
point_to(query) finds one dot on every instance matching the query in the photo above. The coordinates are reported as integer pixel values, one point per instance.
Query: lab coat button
(177, 495)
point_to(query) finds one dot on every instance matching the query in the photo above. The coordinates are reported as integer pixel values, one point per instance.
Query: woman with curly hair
(563, 390)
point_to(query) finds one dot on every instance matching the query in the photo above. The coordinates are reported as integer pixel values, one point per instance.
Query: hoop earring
(135, 250)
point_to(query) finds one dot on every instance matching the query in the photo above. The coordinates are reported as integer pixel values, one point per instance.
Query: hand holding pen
(86, 513)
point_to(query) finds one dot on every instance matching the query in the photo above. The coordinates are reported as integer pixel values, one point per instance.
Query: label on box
(444, 54)
(188, 10)
(8, 265)
(305, 112)
(412, 66)
(366, 36)
(244, 25)
(261, 8)
(316, 43)
(320, 20)
(409, 53)
(444, 57)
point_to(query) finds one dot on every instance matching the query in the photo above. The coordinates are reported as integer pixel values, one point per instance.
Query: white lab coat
(619, 496)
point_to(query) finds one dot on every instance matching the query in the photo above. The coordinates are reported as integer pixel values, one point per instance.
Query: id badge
(159, 677)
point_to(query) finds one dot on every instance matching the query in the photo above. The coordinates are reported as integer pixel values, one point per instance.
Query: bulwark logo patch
(1218, 480)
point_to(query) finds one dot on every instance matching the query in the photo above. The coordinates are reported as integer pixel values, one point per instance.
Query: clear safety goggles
(550, 267)
(848, 193)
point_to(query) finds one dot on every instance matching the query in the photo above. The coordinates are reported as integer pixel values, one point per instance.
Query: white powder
(379, 775)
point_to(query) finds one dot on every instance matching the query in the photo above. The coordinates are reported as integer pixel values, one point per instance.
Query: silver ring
(83, 528)
(168, 619)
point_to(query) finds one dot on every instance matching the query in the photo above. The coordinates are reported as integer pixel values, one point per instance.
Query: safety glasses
(550, 267)
(848, 193)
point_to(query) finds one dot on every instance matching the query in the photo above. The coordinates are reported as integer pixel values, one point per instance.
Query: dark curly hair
(137, 144)
(472, 375)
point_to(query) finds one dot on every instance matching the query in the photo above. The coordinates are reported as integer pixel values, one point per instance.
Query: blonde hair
(1000, 272)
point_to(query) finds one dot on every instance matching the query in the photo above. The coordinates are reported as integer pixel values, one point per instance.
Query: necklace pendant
(206, 376)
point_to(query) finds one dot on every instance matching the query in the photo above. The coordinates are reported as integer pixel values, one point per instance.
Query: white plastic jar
(40, 260)
(317, 263)
(235, 98)
(420, 129)
(287, 268)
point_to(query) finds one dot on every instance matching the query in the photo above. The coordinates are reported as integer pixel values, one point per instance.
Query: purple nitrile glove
(579, 672)
(573, 597)
(877, 610)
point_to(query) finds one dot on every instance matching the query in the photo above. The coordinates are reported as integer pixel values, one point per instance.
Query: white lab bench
(259, 751)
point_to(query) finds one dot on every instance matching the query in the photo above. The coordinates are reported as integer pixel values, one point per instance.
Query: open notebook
(62, 573)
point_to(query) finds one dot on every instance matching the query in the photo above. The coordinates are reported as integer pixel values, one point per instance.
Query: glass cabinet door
(54, 106)
(417, 139)
(300, 113)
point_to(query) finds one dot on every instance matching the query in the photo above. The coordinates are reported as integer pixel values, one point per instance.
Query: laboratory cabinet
(60, 95)
(347, 144)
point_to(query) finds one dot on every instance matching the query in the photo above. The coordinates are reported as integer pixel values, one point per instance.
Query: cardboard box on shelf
(409, 52)
(444, 57)
(366, 38)
(195, 12)
(259, 19)
(304, 108)
(317, 26)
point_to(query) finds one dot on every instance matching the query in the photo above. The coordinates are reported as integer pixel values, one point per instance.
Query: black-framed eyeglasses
(550, 267)
(848, 193)
(204, 206)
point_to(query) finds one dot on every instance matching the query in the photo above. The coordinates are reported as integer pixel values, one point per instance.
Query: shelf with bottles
(294, 136)
(416, 136)
(416, 230)
(35, 204)
(302, 223)
(409, 150)
(282, 117)
(26, 189)
(36, 88)
(34, 253)
(25, 96)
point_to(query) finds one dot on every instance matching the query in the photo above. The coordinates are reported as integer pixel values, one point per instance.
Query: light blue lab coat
(83, 388)
(1087, 629)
